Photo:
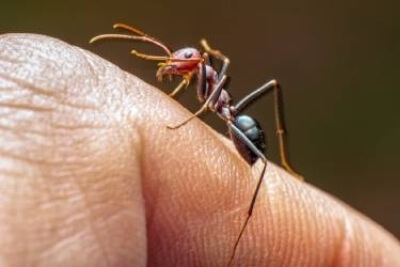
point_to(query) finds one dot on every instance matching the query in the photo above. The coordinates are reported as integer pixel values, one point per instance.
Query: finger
(196, 190)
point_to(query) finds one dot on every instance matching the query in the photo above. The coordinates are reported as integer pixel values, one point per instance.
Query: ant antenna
(144, 38)
(141, 37)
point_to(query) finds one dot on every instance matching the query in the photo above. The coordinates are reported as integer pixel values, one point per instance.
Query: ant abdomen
(251, 128)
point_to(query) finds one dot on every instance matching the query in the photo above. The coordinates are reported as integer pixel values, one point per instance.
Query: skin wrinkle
(53, 161)
(10, 60)
(92, 68)
(268, 211)
(20, 82)
(58, 246)
(19, 217)
(320, 233)
(312, 222)
(25, 107)
(25, 159)
(326, 229)
(91, 220)
(273, 247)
(93, 205)
(287, 254)
(18, 133)
(285, 214)
(367, 246)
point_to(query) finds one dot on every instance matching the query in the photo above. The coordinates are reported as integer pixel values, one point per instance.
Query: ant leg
(203, 74)
(238, 133)
(182, 85)
(207, 59)
(187, 78)
(279, 118)
(210, 100)
(217, 54)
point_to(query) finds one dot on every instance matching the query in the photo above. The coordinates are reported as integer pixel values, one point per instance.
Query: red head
(181, 62)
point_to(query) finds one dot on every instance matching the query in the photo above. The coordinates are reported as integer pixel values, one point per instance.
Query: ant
(245, 131)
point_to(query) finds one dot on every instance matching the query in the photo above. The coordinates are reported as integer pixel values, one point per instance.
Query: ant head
(187, 54)
(181, 62)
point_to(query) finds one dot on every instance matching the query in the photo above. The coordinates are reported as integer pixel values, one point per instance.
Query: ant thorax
(223, 104)
(226, 113)
(211, 79)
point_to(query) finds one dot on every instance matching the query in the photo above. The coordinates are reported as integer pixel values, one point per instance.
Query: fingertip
(296, 224)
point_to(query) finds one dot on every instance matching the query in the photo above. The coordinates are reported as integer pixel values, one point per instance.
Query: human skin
(91, 176)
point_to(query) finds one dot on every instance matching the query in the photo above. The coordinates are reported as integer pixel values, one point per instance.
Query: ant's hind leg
(279, 118)
(249, 144)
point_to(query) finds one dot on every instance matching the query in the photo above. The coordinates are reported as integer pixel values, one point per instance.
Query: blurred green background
(338, 63)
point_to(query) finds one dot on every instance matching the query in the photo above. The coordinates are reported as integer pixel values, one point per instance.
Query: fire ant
(244, 130)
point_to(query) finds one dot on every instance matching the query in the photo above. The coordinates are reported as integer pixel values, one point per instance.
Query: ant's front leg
(182, 85)
(211, 100)
(188, 77)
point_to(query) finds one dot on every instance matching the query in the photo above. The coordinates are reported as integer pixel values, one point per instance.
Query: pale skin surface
(90, 176)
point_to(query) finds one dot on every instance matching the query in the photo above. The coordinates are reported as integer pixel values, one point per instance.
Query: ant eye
(188, 54)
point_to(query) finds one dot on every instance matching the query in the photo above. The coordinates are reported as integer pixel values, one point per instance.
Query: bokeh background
(338, 63)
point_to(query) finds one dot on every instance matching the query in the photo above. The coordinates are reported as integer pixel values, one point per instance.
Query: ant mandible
(244, 130)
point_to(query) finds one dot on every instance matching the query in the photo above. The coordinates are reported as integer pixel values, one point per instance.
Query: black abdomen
(251, 128)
